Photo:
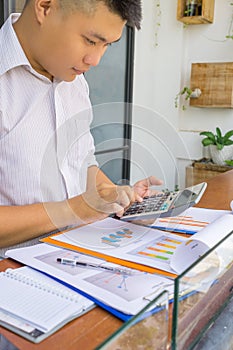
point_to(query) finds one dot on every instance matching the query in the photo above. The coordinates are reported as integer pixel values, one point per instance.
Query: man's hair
(128, 10)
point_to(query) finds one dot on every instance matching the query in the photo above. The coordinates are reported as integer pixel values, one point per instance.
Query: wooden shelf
(204, 12)
(215, 80)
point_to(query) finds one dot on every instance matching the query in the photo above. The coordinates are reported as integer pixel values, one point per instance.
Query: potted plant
(220, 146)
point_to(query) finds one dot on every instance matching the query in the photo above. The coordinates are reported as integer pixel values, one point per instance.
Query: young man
(49, 177)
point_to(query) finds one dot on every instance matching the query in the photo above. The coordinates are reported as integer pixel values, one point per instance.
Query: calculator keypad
(158, 203)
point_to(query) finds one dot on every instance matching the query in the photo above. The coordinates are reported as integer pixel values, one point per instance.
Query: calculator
(168, 203)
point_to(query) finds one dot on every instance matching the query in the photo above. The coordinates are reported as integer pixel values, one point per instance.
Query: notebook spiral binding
(39, 284)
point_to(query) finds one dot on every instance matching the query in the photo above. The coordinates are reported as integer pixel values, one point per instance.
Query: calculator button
(157, 203)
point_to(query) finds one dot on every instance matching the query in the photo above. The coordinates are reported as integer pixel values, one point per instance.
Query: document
(144, 248)
(112, 286)
(123, 243)
(121, 287)
(192, 249)
(190, 221)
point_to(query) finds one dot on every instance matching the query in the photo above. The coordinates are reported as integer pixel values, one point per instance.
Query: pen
(92, 265)
(188, 232)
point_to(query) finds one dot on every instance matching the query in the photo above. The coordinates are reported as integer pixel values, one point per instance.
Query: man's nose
(93, 59)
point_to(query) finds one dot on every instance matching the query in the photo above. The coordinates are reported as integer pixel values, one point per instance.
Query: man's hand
(110, 199)
(104, 198)
(99, 201)
(142, 187)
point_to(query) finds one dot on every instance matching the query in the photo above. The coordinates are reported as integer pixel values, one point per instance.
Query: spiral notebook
(34, 305)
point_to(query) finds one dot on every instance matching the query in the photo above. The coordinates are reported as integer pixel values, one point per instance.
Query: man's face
(69, 45)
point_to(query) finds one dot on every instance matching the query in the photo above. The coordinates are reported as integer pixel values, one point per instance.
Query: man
(49, 176)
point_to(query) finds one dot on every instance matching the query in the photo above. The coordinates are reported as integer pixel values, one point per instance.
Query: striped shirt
(45, 142)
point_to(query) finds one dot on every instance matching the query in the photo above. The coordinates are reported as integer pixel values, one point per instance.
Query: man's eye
(91, 42)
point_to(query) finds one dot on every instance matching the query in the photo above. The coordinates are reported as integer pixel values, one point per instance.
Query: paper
(125, 241)
(128, 293)
(148, 247)
(190, 221)
(202, 241)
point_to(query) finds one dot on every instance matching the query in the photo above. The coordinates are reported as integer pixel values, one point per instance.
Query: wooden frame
(215, 80)
(206, 15)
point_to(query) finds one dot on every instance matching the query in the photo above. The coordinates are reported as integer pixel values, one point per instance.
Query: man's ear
(42, 9)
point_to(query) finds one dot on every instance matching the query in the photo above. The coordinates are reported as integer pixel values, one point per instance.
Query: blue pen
(174, 230)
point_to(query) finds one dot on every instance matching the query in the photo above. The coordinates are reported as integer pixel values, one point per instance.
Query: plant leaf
(229, 162)
(228, 142)
(218, 132)
(207, 141)
(219, 146)
(228, 135)
(208, 134)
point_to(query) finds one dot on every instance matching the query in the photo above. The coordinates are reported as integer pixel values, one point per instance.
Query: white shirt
(45, 142)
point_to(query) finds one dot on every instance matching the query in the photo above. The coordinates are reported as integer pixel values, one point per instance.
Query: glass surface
(208, 285)
(146, 330)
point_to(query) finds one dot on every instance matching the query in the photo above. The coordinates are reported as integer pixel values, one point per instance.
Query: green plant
(229, 162)
(185, 91)
(158, 14)
(230, 30)
(217, 139)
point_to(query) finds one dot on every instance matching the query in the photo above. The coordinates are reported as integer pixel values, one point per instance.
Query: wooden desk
(219, 192)
(196, 175)
(91, 329)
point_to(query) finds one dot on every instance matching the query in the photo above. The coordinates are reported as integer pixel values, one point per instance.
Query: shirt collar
(11, 52)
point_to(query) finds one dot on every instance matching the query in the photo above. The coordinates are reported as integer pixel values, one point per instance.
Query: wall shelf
(215, 80)
(195, 11)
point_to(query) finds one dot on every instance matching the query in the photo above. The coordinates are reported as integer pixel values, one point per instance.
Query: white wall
(165, 138)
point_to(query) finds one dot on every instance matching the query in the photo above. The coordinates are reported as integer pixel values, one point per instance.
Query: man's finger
(154, 181)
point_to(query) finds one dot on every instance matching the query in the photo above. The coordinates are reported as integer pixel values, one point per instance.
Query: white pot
(219, 156)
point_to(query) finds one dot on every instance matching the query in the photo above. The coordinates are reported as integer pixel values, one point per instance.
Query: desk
(195, 175)
(92, 328)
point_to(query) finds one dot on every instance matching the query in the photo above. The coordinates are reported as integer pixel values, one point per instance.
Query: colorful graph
(180, 223)
(160, 249)
(117, 237)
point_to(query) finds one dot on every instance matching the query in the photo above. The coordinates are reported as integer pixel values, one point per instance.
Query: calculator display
(184, 197)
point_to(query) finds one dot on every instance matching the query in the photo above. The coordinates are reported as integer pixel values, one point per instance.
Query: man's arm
(102, 197)
(96, 176)
(20, 223)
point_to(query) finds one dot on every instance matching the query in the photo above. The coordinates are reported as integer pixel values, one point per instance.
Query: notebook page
(36, 298)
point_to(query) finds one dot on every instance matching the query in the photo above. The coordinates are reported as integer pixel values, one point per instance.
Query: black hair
(128, 10)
